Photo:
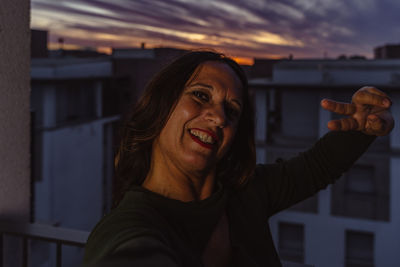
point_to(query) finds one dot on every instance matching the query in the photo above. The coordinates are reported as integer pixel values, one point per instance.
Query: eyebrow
(203, 85)
(212, 89)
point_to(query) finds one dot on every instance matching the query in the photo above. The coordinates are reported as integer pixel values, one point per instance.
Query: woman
(192, 195)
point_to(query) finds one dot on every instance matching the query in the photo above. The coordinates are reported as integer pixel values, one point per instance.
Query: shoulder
(139, 226)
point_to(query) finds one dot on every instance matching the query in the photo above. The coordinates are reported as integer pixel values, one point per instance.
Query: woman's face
(203, 124)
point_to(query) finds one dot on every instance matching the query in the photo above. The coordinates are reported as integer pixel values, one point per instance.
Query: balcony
(56, 235)
(51, 234)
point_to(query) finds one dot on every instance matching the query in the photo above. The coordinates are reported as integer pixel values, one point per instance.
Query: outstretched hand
(368, 112)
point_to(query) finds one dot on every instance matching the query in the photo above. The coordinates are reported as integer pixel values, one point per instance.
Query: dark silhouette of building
(387, 51)
(134, 67)
(263, 68)
(39, 44)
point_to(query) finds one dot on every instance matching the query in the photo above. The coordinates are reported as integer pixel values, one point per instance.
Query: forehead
(219, 75)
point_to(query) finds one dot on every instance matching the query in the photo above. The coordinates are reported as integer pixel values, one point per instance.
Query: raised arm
(294, 180)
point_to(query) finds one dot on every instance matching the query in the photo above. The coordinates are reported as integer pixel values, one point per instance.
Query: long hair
(152, 111)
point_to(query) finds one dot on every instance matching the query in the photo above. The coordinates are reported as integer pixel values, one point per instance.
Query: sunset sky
(241, 28)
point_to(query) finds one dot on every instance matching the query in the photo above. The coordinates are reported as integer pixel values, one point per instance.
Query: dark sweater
(147, 229)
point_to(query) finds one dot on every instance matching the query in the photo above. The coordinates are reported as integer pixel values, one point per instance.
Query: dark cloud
(252, 28)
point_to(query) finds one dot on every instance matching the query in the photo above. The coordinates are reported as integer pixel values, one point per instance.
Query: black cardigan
(147, 229)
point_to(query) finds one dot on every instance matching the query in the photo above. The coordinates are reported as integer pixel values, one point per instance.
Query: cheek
(183, 113)
(186, 114)
(186, 106)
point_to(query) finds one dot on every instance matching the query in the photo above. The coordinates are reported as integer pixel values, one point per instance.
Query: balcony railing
(59, 236)
(51, 234)
(294, 264)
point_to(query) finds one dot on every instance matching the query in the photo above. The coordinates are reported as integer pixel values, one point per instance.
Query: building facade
(355, 221)
(73, 144)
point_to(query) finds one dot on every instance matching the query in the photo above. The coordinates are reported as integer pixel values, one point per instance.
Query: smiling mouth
(203, 138)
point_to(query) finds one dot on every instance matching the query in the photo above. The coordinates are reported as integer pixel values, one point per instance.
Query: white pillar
(261, 108)
(49, 107)
(324, 196)
(99, 99)
(395, 134)
(387, 245)
(324, 115)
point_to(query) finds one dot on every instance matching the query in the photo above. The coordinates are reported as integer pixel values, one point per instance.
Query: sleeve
(144, 250)
(286, 183)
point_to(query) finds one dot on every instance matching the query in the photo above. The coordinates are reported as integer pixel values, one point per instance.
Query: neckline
(195, 204)
(192, 221)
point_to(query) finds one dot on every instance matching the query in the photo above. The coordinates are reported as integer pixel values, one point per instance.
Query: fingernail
(386, 102)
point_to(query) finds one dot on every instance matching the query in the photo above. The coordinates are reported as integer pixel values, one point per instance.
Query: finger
(379, 124)
(338, 107)
(334, 125)
(348, 124)
(369, 98)
(344, 124)
(374, 123)
(374, 90)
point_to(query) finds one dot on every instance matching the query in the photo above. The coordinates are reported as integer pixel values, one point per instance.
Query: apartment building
(387, 51)
(72, 148)
(355, 221)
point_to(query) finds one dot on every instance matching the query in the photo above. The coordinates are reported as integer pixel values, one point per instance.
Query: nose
(216, 114)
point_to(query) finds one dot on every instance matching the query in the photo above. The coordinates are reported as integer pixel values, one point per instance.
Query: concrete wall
(366, 72)
(70, 193)
(14, 109)
(72, 172)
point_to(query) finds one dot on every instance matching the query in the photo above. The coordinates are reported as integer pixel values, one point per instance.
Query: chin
(200, 166)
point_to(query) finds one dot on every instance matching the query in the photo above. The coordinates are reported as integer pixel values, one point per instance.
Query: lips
(204, 138)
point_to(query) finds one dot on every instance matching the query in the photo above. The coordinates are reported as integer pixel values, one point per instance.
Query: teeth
(203, 136)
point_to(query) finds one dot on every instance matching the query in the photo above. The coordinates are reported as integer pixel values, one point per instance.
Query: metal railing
(51, 234)
(58, 236)
(294, 264)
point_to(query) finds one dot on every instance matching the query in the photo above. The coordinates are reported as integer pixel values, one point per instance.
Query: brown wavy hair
(152, 111)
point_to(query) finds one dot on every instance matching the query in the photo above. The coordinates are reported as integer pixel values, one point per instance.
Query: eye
(202, 96)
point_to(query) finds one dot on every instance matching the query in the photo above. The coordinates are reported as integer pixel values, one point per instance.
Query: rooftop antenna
(61, 43)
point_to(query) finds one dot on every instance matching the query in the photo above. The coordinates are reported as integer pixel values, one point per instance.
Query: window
(361, 180)
(75, 102)
(294, 119)
(117, 96)
(359, 249)
(363, 192)
(291, 242)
